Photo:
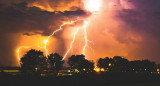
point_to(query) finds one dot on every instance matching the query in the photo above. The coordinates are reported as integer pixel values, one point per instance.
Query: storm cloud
(128, 28)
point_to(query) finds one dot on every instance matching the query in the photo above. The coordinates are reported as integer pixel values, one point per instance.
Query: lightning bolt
(18, 51)
(71, 44)
(86, 39)
(68, 23)
(25, 47)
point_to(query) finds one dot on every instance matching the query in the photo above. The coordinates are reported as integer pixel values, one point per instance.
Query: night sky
(128, 28)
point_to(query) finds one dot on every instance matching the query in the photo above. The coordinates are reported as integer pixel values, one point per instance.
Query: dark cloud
(142, 20)
(23, 18)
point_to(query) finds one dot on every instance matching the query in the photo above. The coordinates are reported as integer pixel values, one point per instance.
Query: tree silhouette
(120, 64)
(55, 62)
(105, 63)
(79, 62)
(142, 66)
(33, 60)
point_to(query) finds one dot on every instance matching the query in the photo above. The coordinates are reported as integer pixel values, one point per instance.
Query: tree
(85, 66)
(142, 66)
(55, 62)
(33, 60)
(120, 64)
(74, 60)
(79, 62)
(105, 63)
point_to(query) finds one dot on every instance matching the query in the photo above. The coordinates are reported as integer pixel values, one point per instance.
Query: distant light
(76, 70)
(36, 68)
(84, 69)
(43, 74)
(107, 70)
(70, 74)
(157, 70)
(102, 69)
(97, 69)
(110, 64)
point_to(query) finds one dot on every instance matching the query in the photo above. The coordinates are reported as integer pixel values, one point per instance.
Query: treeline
(35, 62)
(119, 64)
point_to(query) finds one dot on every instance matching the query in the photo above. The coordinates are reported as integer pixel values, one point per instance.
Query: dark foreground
(82, 80)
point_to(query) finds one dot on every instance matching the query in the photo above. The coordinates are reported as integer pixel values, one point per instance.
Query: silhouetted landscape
(37, 69)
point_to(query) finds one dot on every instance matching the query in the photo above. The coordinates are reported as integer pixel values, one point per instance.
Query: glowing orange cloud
(47, 7)
(51, 5)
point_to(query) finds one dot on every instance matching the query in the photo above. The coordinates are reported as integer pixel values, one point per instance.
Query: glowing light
(36, 68)
(102, 69)
(76, 70)
(97, 69)
(45, 41)
(84, 69)
(157, 70)
(92, 5)
(85, 22)
(110, 64)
